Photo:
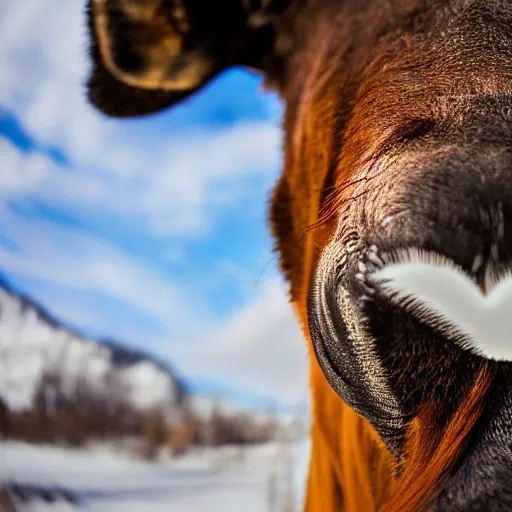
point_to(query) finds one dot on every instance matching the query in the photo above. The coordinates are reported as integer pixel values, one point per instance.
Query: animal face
(397, 153)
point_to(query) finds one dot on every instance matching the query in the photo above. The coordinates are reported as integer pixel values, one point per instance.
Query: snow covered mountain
(36, 350)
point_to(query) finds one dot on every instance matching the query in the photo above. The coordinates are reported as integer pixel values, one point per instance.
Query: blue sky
(149, 231)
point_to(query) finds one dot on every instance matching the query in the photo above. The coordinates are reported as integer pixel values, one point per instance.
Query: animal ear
(150, 54)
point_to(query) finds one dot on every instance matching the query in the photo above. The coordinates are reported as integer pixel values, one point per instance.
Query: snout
(401, 304)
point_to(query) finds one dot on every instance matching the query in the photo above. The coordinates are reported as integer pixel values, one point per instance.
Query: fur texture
(397, 136)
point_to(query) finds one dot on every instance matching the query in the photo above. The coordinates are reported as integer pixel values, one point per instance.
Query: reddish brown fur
(350, 468)
(432, 452)
(356, 77)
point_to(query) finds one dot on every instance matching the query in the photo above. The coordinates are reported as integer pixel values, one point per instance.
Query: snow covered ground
(268, 478)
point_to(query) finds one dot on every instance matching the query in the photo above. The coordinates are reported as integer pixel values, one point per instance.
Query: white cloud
(259, 349)
(187, 181)
(83, 263)
(43, 60)
(171, 183)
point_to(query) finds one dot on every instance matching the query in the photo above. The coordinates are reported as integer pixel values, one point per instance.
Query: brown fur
(344, 105)
(357, 78)
(432, 452)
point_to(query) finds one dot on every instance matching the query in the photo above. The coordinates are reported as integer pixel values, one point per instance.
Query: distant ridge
(41, 332)
(122, 355)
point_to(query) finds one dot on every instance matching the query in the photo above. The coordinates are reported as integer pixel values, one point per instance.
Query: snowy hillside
(36, 350)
